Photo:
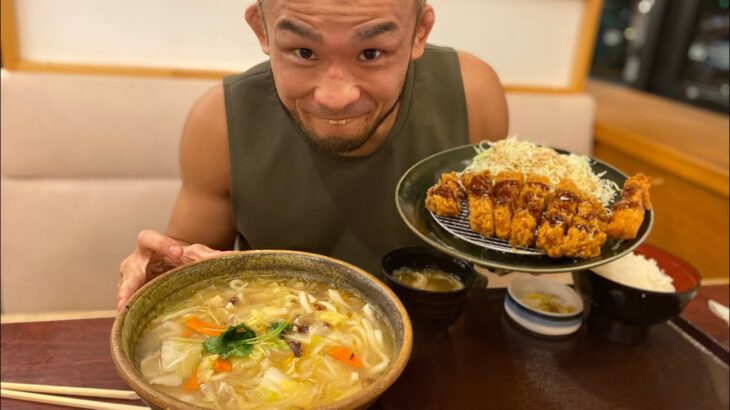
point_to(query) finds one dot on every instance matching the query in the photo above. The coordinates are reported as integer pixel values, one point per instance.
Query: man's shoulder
(485, 98)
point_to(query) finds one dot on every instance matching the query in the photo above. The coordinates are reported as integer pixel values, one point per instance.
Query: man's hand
(155, 254)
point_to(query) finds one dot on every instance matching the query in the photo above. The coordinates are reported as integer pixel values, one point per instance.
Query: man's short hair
(419, 4)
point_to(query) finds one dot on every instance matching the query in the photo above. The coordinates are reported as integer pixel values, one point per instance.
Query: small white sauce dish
(540, 321)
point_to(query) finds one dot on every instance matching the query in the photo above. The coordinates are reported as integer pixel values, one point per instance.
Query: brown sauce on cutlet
(445, 191)
(539, 185)
(534, 210)
(590, 216)
(629, 191)
(566, 196)
(555, 219)
(480, 185)
(534, 188)
(625, 204)
(504, 191)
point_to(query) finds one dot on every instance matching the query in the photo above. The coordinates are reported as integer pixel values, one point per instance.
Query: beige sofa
(89, 161)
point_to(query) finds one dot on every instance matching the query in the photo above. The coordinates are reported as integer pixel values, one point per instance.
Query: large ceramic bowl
(149, 302)
(624, 314)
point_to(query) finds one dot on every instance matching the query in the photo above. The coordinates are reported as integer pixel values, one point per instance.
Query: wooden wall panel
(690, 221)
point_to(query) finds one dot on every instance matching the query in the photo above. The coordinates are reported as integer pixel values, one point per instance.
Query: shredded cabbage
(526, 157)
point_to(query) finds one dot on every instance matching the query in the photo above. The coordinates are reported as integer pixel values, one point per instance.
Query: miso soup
(265, 343)
(435, 280)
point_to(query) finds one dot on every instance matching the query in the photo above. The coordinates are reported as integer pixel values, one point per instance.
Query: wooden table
(484, 361)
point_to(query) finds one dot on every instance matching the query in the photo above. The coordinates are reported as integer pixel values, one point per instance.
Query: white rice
(637, 271)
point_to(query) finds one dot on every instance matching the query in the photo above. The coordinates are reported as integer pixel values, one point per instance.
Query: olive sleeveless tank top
(286, 194)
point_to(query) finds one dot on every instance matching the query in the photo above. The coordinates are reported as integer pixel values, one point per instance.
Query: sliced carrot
(202, 327)
(187, 332)
(192, 383)
(346, 356)
(222, 365)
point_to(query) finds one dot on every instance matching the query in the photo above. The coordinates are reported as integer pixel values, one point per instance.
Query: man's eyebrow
(292, 27)
(376, 30)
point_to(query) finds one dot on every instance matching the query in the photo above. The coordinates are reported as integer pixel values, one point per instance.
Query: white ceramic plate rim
(538, 327)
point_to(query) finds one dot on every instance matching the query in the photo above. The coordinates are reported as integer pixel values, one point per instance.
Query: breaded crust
(444, 198)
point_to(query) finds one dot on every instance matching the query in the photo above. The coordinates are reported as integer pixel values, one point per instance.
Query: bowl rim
(128, 372)
(546, 283)
(538, 324)
(642, 290)
(646, 247)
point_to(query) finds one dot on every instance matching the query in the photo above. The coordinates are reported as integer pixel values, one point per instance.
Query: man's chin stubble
(340, 144)
(337, 144)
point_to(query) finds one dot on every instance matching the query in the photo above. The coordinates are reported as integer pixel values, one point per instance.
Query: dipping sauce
(546, 303)
(435, 280)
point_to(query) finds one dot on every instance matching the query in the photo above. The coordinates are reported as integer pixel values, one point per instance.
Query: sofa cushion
(87, 162)
(557, 120)
(76, 126)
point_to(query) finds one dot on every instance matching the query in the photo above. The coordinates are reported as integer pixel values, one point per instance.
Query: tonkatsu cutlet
(561, 209)
(478, 188)
(444, 198)
(528, 210)
(628, 213)
(507, 187)
(587, 232)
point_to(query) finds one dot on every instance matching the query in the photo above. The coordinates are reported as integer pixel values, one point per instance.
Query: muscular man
(304, 151)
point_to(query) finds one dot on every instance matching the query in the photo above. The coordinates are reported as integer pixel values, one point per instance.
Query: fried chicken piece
(561, 209)
(628, 213)
(529, 208)
(478, 188)
(506, 190)
(587, 232)
(444, 198)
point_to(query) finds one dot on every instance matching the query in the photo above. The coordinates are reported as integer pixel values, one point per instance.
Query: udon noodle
(265, 343)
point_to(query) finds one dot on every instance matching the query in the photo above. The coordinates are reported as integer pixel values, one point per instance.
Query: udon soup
(265, 343)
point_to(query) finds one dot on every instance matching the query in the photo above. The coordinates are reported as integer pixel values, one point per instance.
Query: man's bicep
(199, 217)
(485, 100)
(202, 212)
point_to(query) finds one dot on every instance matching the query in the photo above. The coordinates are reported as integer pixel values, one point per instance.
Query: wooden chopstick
(66, 401)
(73, 391)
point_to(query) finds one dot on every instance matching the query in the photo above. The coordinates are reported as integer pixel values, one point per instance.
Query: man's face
(339, 66)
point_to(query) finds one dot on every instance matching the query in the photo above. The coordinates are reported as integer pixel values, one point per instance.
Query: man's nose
(336, 90)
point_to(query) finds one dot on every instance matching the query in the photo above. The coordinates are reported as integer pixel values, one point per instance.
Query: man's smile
(338, 122)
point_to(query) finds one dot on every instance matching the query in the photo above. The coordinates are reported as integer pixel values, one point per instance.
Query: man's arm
(202, 212)
(201, 218)
(485, 101)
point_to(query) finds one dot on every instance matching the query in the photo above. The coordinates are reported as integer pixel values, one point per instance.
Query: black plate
(410, 195)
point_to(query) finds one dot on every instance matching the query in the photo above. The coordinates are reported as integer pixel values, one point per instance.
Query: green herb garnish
(232, 342)
(239, 340)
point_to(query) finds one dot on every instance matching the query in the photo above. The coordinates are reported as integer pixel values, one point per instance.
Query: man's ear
(423, 29)
(255, 20)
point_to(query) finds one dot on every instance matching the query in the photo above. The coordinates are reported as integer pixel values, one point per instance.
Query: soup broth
(435, 280)
(265, 343)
